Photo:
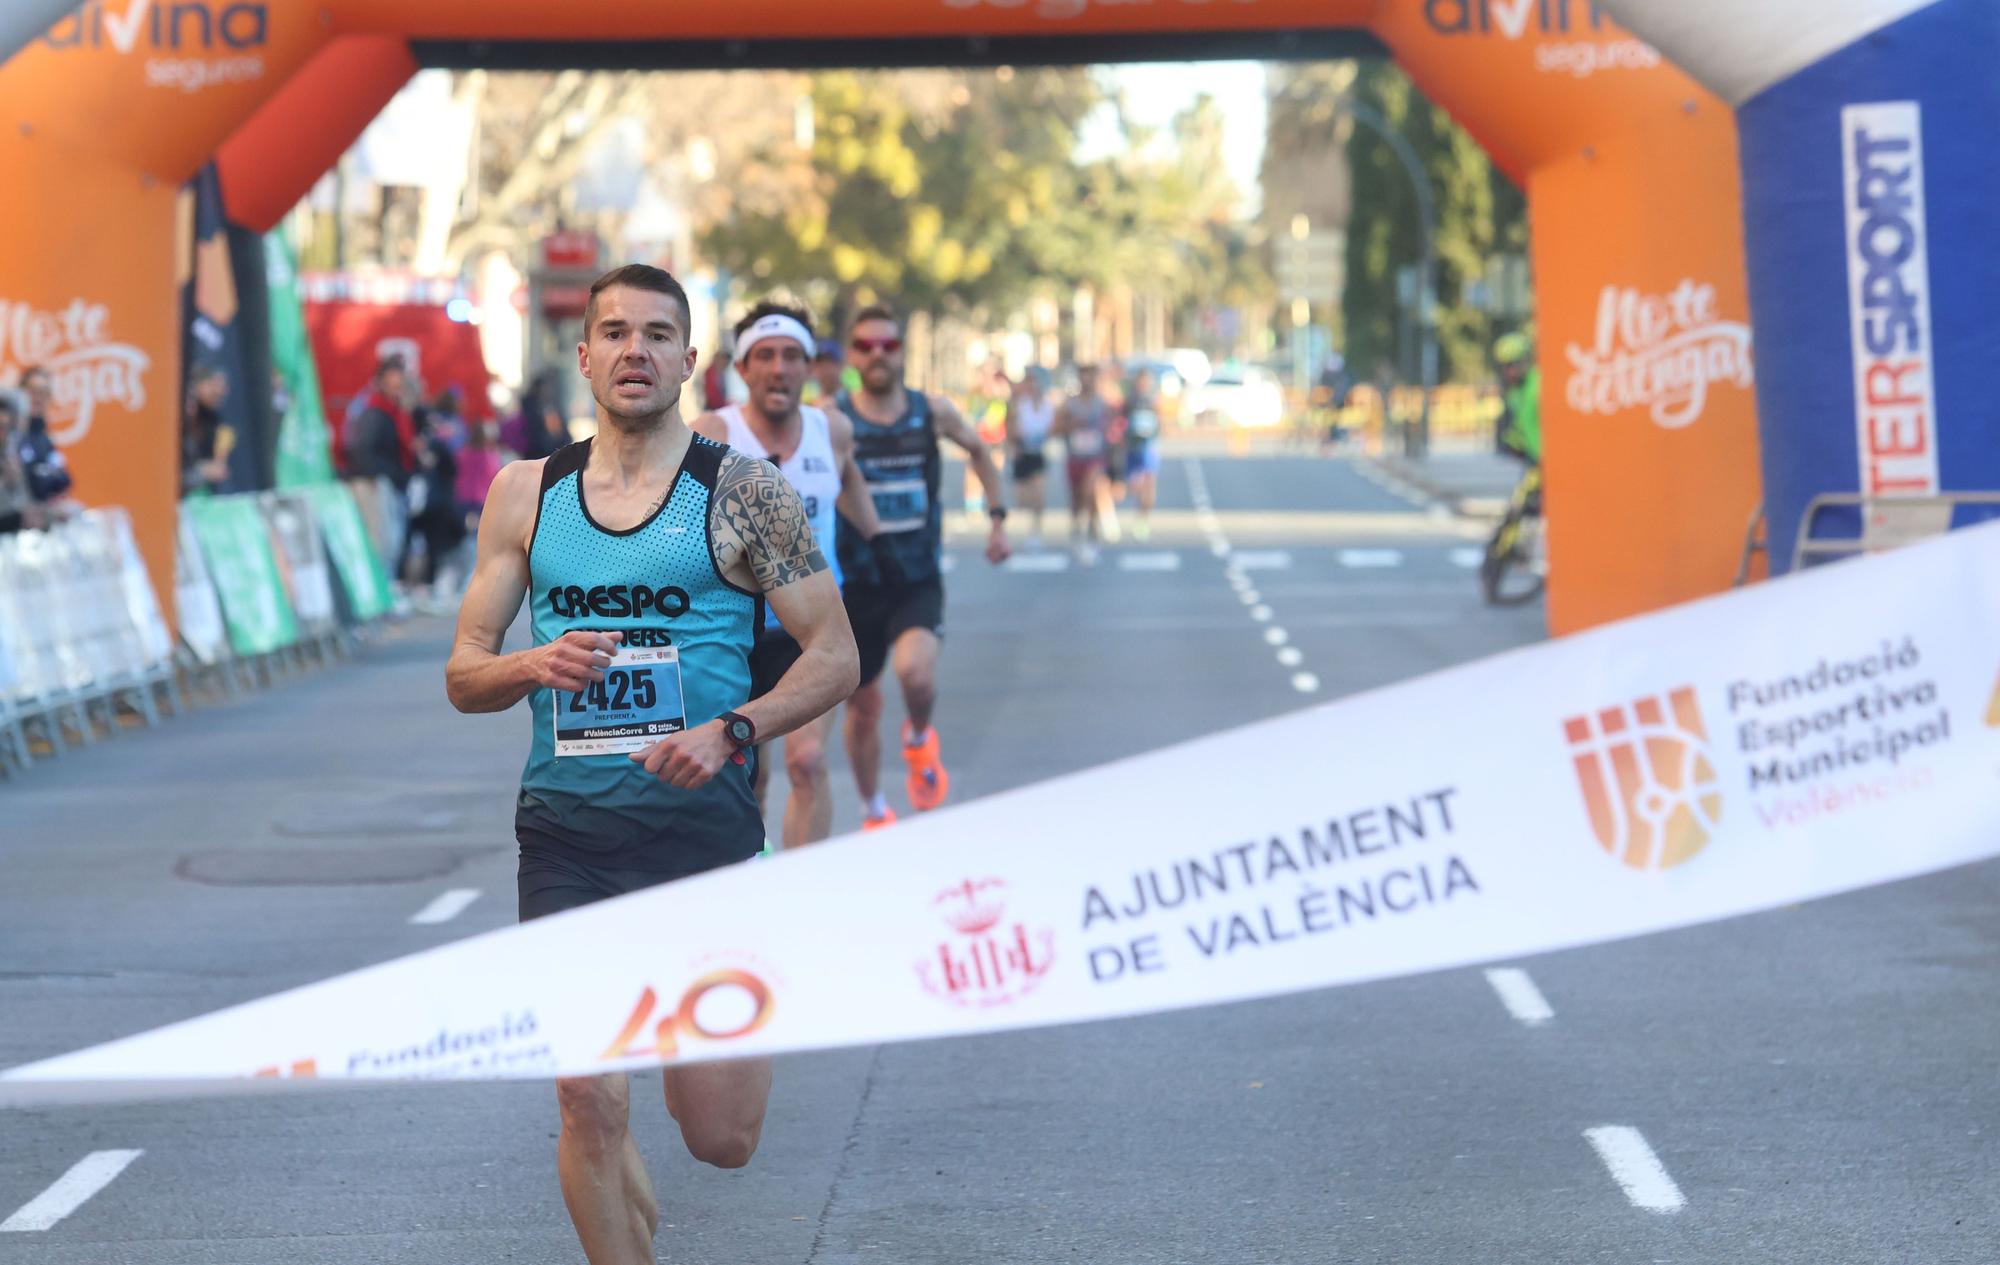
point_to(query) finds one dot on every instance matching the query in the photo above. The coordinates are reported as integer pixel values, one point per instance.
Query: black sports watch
(739, 729)
(998, 513)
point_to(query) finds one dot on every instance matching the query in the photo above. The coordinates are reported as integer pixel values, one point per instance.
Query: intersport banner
(1826, 732)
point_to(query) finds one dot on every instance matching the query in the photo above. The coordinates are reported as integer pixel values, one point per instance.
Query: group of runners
(1111, 443)
(686, 616)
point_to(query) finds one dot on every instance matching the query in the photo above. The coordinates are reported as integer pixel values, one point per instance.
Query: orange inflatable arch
(1629, 166)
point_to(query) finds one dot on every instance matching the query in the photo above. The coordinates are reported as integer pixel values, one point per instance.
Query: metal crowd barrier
(263, 584)
(1886, 522)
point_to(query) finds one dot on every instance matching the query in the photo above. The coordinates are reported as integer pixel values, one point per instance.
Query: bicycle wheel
(1508, 575)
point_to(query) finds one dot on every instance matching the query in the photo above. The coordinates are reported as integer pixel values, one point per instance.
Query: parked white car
(1249, 397)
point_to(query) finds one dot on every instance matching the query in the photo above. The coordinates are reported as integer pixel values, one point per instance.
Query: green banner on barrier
(304, 452)
(361, 571)
(238, 547)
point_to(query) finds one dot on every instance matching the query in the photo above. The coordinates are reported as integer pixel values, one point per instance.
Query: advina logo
(1512, 18)
(1648, 780)
(188, 45)
(161, 26)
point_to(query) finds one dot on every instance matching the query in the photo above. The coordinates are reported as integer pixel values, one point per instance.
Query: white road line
(1371, 558)
(1275, 637)
(72, 1190)
(1263, 559)
(1160, 560)
(1519, 995)
(1248, 596)
(947, 564)
(1220, 548)
(1290, 656)
(1635, 1168)
(1038, 562)
(446, 907)
(1304, 682)
(1262, 614)
(1467, 557)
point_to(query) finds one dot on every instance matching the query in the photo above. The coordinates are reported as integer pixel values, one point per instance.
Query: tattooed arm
(764, 542)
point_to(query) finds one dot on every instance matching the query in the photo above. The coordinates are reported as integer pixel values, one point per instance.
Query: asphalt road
(1815, 1085)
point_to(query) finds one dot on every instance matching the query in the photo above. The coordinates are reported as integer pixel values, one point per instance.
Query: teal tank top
(658, 583)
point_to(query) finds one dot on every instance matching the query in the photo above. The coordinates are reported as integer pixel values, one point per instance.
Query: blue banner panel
(1870, 195)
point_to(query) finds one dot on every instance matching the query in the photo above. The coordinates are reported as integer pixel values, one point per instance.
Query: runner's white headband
(774, 325)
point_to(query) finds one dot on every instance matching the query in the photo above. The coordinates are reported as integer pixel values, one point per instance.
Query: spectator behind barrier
(206, 439)
(479, 464)
(537, 429)
(380, 443)
(17, 507)
(447, 424)
(42, 463)
(433, 501)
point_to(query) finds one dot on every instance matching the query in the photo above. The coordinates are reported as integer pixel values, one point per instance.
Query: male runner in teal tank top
(647, 555)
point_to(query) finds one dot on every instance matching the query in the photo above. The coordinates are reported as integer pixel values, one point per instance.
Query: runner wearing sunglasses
(898, 620)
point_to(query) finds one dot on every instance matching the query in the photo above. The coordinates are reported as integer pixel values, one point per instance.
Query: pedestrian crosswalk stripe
(1262, 559)
(1158, 560)
(1371, 558)
(1043, 562)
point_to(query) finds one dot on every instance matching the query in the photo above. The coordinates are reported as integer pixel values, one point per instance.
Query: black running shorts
(773, 656)
(880, 615)
(552, 882)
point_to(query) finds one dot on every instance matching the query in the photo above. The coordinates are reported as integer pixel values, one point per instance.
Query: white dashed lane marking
(1467, 557)
(1520, 996)
(1159, 560)
(71, 1191)
(446, 907)
(1304, 682)
(1635, 1168)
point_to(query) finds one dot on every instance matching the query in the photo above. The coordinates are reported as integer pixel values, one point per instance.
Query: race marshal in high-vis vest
(648, 556)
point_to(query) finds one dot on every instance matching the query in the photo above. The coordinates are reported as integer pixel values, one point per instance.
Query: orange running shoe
(888, 818)
(928, 782)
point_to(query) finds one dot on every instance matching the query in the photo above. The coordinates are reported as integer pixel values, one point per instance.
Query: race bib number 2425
(638, 702)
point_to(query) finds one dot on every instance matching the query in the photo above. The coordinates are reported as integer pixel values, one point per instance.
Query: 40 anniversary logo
(725, 1004)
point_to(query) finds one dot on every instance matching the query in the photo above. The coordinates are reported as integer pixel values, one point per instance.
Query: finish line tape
(1817, 734)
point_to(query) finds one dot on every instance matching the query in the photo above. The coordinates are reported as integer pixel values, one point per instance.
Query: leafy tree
(960, 192)
(1479, 213)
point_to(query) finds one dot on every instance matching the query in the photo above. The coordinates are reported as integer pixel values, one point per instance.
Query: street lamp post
(1416, 442)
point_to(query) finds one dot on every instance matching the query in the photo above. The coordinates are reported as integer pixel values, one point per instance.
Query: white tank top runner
(811, 470)
(1037, 418)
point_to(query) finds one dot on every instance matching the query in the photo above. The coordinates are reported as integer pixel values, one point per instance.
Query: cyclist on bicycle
(1516, 547)
(1521, 398)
